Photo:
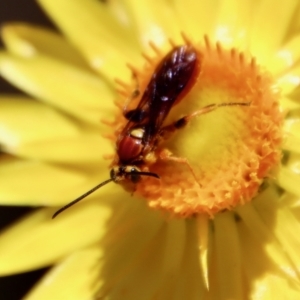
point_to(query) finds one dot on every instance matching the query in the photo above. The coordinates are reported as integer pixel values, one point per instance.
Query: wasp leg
(183, 121)
(167, 155)
(136, 92)
(168, 130)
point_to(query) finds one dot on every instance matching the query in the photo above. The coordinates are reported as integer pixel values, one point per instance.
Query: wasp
(172, 79)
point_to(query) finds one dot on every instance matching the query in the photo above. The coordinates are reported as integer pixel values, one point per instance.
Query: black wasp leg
(183, 121)
(135, 93)
(166, 131)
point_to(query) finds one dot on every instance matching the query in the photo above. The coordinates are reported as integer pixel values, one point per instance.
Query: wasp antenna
(81, 197)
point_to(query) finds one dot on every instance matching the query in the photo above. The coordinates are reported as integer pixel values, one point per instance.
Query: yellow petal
(228, 257)
(86, 149)
(203, 229)
(183, 280)
(105, 41)
(231, 30)
(287, 235)
(295, 94)
(154, 26)
(190, 285)
(292, 143)
(292, 123)
(262, 236)
(266, 37)
(190, 11)
(74, 90)
(24, 121)
(73, 279)
(128, 240)
(27, 40)
(167, 251)
(291, 201)
(295, 71)
(289, 82)
(289, 180)
(285, 57)
(267, 284)
(270, 287)
(292, 162)
(35, 183)
(283, 224)
(287, 104)
(52, 239)
(292, 132)
(37, 131)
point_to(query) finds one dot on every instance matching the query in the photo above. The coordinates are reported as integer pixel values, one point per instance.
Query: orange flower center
(220, 158)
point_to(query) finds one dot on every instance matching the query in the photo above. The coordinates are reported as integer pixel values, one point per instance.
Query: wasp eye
(113, 174)
(134, 175)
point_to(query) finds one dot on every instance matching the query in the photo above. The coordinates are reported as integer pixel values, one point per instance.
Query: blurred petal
(262, 235)
(87, 149)
(287, 104)
(25, 182)
(228, 257)
(27, 40)
(80, 266)
(264, 31)
(265, 285)
(153, 26)
(292, 143)
(191, 286)
(100, 44)
(289, 82)
(232, 22)
(166, 249)
(289, 180)
(190, 10)
(292, 132)
(82, 225)
(82, 94)
(288, 236)
(286, 57)
(271, 287)
(32, 121)
(37, 131)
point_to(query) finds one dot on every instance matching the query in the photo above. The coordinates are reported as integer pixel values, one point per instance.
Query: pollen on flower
(229, 144)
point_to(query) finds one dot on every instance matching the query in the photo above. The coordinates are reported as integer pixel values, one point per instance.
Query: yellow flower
(210, 244)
